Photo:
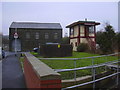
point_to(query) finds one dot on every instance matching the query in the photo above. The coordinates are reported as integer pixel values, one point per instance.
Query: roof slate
(35, 25)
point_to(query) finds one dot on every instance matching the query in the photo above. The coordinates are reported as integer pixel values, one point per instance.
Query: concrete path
(12, 75)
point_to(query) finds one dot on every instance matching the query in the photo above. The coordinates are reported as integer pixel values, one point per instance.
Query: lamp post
(15, 36)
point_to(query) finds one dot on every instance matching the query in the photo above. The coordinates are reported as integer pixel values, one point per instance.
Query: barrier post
(74, 71)
(93, 73)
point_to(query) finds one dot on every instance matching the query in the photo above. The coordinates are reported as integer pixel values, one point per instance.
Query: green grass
(34, 53)
(21, 61)
(64, 64)
(68, 64)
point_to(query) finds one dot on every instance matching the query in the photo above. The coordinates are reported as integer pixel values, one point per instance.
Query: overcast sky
(61, 12)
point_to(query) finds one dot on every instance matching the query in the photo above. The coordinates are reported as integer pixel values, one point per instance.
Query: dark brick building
(31, 35)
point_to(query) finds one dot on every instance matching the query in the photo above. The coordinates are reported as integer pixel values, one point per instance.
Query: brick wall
(39, 75)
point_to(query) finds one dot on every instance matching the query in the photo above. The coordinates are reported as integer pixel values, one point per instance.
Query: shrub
(82, 47)
(65, 40)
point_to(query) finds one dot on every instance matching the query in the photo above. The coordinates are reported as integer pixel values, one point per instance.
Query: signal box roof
(91, 23)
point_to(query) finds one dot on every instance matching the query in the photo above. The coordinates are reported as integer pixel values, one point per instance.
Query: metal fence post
(74, 71)
(118, 72)
(93, 73)
(106, 62)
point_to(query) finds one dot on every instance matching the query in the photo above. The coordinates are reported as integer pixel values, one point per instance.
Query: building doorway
(16, 44)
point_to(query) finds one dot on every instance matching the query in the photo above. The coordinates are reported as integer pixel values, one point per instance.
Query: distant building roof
(83, 23)
(35, 25)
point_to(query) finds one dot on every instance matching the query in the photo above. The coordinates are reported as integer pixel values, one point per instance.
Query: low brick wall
(39, 75)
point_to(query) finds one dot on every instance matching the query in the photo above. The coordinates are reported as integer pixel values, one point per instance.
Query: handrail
(78, 58)
(87, 67)
(91, 81)
(93, 66)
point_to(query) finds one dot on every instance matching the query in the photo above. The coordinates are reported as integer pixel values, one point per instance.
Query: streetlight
(15, 36)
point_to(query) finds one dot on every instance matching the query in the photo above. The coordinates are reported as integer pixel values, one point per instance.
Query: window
(36, 35)
(27, 35)
(91, 29)
(55, 35)
(72, 44)
(71, 33)
(46, 36)
(76, 44)
(82, 30)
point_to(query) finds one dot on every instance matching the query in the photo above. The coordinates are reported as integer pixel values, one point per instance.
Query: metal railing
(87, 67)
(93, 67)
(91, 82)
(79, 58)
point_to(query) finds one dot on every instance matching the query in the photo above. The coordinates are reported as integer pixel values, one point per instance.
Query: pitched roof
(35, 25)
(83, 23)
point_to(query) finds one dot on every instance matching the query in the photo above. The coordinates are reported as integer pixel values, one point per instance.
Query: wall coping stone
(43, 71)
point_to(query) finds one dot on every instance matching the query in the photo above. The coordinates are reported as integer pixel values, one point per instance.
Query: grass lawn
(21, 61)
(68, 64)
